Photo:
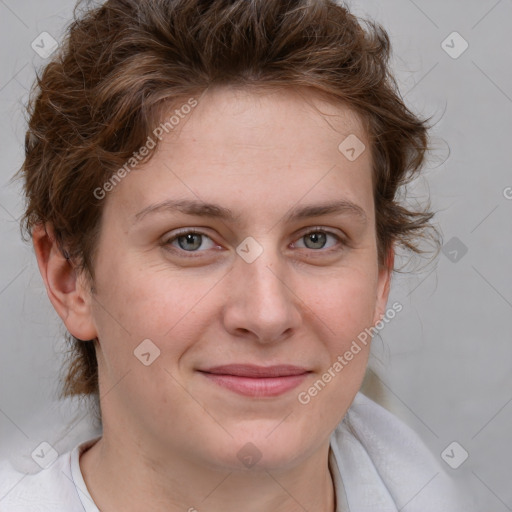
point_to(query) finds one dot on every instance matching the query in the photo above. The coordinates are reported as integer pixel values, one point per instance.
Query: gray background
(444, 363)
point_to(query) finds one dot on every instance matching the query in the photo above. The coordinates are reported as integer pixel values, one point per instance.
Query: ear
(67, 291)
(384, 285)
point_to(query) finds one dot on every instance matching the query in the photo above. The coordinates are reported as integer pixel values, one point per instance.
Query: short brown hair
(124, 62)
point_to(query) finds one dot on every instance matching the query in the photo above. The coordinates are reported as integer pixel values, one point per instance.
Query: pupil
(317, 238)
(190, 241)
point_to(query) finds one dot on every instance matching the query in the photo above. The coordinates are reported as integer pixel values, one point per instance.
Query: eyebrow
(203, 209)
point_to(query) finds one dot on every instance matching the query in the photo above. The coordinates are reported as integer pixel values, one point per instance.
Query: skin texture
(171, 436)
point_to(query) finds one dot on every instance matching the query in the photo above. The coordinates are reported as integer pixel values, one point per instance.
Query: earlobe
(66, 290)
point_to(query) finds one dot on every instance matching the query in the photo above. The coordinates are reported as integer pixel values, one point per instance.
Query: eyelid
(314, 229)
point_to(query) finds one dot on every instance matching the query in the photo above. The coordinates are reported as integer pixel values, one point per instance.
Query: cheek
(148, 301)
(156, 306)
(343, 309)
(345, 304)
(172, 309)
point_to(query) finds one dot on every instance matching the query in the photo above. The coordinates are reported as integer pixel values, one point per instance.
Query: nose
(262, 305)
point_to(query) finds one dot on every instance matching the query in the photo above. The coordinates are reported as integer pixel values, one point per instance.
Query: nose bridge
(261, 300)
(267, 281)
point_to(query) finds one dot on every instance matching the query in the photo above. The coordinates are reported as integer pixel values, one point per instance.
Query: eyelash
(191, 231)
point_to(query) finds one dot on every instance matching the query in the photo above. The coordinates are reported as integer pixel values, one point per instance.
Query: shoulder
(51, 489)
(377, 452)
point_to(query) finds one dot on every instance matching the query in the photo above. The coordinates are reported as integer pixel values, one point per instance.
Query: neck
(122, 474)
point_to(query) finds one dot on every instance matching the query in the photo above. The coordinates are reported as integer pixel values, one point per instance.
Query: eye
(190, 240)
(193, 241)
(318, 239)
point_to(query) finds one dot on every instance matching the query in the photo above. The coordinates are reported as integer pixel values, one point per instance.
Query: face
(221, 252)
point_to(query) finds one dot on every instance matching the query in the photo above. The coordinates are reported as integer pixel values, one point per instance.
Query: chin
(261, 449)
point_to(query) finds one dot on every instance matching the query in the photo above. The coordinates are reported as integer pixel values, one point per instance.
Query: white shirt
(378, 464)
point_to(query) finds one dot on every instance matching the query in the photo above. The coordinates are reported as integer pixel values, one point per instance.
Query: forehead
(240, 145)
(258, 109)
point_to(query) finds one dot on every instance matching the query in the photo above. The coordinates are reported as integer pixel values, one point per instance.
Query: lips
(256, 381)
(247, 370)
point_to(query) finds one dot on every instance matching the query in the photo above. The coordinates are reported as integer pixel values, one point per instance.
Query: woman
(212, 198)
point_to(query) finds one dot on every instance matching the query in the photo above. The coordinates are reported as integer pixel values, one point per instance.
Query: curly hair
(123, 63)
